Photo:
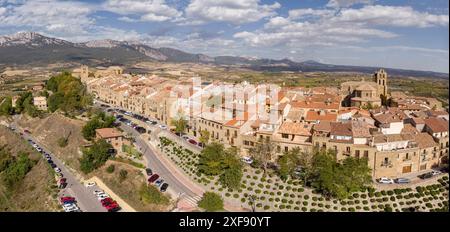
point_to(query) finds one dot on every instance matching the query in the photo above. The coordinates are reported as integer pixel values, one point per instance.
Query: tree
(204, 137)
(339, 179)
(6, 106)
(288, 163)
(100, 120)
(149, 194)
(216, 161)
(110, 168)
(263, 151)
(305, 161)
(211, 202)
(16, 170)
(232, 170)
(95, 156)
(210, 161)
(180, 124)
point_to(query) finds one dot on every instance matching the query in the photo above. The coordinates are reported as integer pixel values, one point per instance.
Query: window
(286, 149)
(284, 136)
(357, 154)
(366, 154)
(278, 149)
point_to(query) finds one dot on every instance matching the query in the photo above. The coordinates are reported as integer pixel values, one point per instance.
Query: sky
(408, 34)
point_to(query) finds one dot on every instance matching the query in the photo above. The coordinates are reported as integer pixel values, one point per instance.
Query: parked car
(149, 171)
(436, 172)
(185, 137)
(159, 182)
(200, 144)
(90, 184)
(163, 127)
(247, 160)
(53, 165)
(426, 175)
(153, 178)
(27, 131)
(164, 187)
(385, 180)
(60, 175)
(67, 200)
(402, 181)
(98, 192)
(191, 141)
(57, 170)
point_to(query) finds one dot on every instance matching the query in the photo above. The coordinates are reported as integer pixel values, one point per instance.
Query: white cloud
(310, 27)
(401, 16)
(146, 10)
(233, 11)
(347, 3)
(52, 16)
(2, 10)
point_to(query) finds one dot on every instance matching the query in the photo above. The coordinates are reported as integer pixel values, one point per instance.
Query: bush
(110, 168)
(211, 202)
(151, 195)
(123, 175)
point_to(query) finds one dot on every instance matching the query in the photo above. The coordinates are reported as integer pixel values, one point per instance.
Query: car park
(402, 181)
(385, 180)
(153, 178)
(164, 187)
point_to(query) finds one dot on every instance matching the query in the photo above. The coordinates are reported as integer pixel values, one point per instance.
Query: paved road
(86, 200)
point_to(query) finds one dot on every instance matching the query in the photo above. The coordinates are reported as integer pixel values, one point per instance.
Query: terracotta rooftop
(295, 128)
(437, 124)
(424, 140)
(323, 126)
(317, 116)
(106, 133)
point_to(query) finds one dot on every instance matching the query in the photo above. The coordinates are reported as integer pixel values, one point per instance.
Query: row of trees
(69, 94)
(321, 170)
(215, 160)
(100, 120)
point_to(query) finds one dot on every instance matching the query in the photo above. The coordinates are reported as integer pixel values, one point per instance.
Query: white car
(385, 180)
(101, 197)
(57, 170)
(98, 192)
(436, 172)
(185, 137)
(163, 127)
(90, 184)
(70, 208)
(247, 160)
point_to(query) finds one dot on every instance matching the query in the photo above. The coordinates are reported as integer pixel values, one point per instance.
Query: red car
(27, 131)
(153, 178)
(62, 180)
(65, 200)
(192, 141)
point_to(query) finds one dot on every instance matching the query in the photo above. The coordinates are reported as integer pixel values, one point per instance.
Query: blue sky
(409, 34)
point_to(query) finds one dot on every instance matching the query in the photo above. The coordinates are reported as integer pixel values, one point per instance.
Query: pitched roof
(424, 140)
(323, 126)
(437, 124)
(295, 128)
(317, 116)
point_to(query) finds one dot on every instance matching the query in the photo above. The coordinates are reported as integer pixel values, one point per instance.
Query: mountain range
(30, 48)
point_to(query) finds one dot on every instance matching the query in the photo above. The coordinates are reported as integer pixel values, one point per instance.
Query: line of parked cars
(69, 204)
(188, 139)
(385, 180)
(156, 180)
(107, 202)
